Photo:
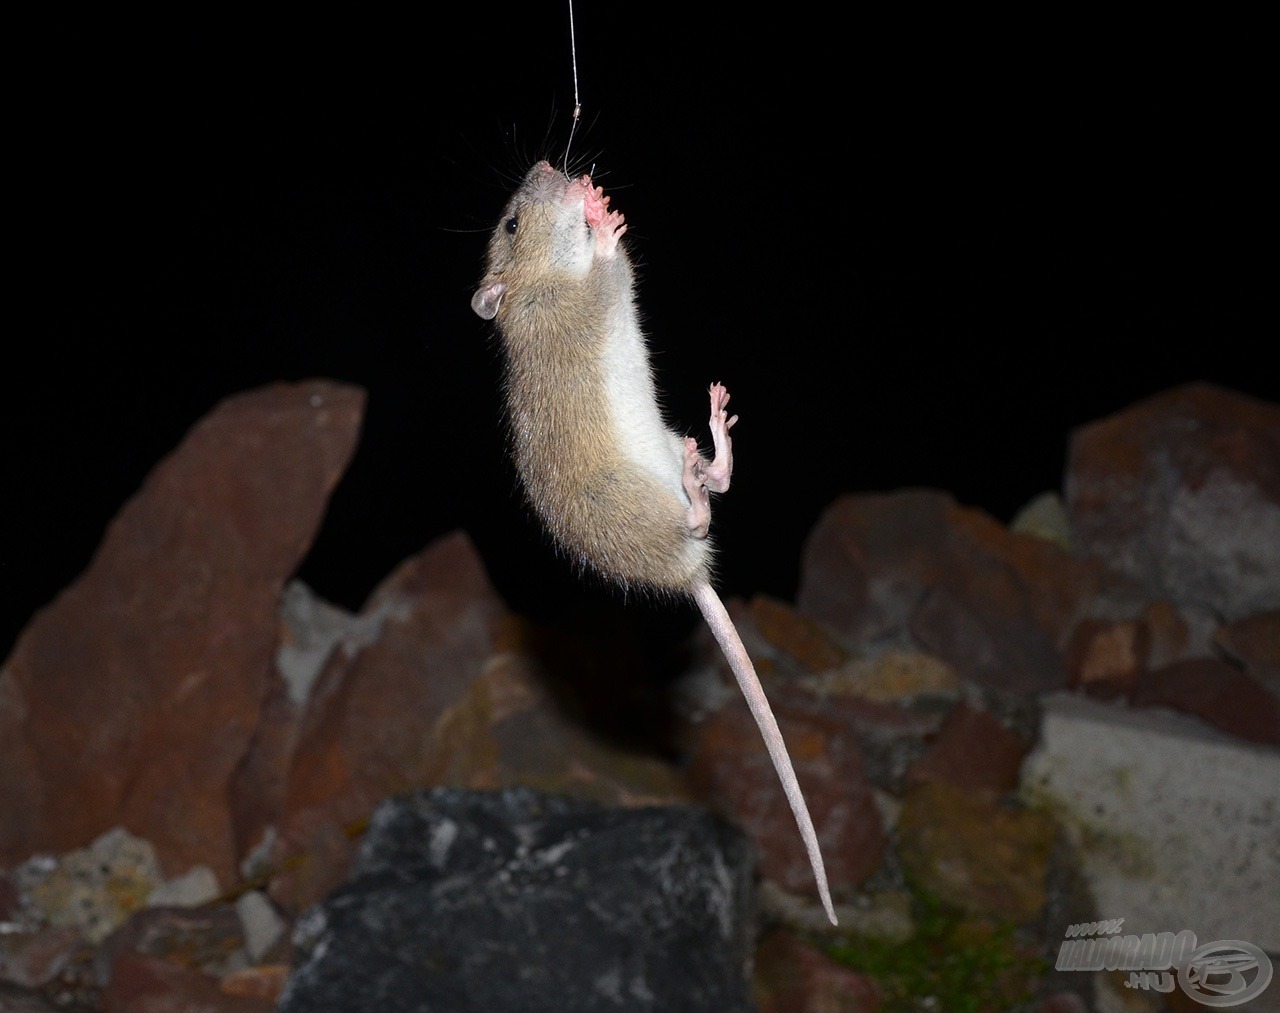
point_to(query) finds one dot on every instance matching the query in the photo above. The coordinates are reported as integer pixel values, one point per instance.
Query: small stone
(311, 629)
(265, 982)
(1045, 517)
(262, 925)
(1105, 656)
(194, 887)
(96, 888)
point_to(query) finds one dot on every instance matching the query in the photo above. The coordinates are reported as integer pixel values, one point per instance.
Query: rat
(619, 491)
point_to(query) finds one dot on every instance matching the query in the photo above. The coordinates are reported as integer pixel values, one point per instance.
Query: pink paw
(719, 471)
(694, 463)
(614, 225)
(695, 470)
(719, 401)
(595, 204)
(609, 225)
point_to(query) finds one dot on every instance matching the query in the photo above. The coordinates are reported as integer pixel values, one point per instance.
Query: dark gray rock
(519, 900)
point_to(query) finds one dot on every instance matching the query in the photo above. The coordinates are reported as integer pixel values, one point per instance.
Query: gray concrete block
(1177, 825)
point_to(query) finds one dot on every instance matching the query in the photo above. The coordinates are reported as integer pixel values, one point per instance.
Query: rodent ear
(488, 298)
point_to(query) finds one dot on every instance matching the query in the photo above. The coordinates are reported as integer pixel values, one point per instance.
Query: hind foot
(702, 477)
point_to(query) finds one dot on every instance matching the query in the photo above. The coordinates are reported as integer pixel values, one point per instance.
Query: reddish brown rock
(142, 984)
(506, 730)
(257, 789)
(801, 638)
(311, 630)
(1216, 692)
(265, 982)
(372, 716)
(1104, 657)
(989, 646)
(1255, 640)
(1182, 493)
(1177, 633)
(136, 691)
(994, 604)
(502, 729)
(767, 656)
(731, 767)
(791, 975)
(973, 751)
(301, 874)
(1255, 644)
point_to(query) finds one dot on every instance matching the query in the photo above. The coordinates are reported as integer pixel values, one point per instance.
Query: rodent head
(543, 233)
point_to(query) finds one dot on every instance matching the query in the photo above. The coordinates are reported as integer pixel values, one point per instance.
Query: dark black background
(918, 254)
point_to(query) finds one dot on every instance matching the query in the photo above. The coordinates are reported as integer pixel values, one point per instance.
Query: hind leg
(721, 469)
(702, 477)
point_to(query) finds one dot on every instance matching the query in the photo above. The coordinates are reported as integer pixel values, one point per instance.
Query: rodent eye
(511, 226)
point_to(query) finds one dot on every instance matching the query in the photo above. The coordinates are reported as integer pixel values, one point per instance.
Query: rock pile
(1002, 731)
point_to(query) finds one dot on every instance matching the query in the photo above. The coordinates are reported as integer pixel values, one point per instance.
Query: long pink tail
(713, 611)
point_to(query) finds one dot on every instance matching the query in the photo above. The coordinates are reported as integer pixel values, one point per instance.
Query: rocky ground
(219, 792)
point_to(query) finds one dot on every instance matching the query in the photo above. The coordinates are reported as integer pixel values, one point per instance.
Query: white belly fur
(639, 431)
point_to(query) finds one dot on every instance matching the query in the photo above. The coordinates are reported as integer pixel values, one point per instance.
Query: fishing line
(577, 105)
